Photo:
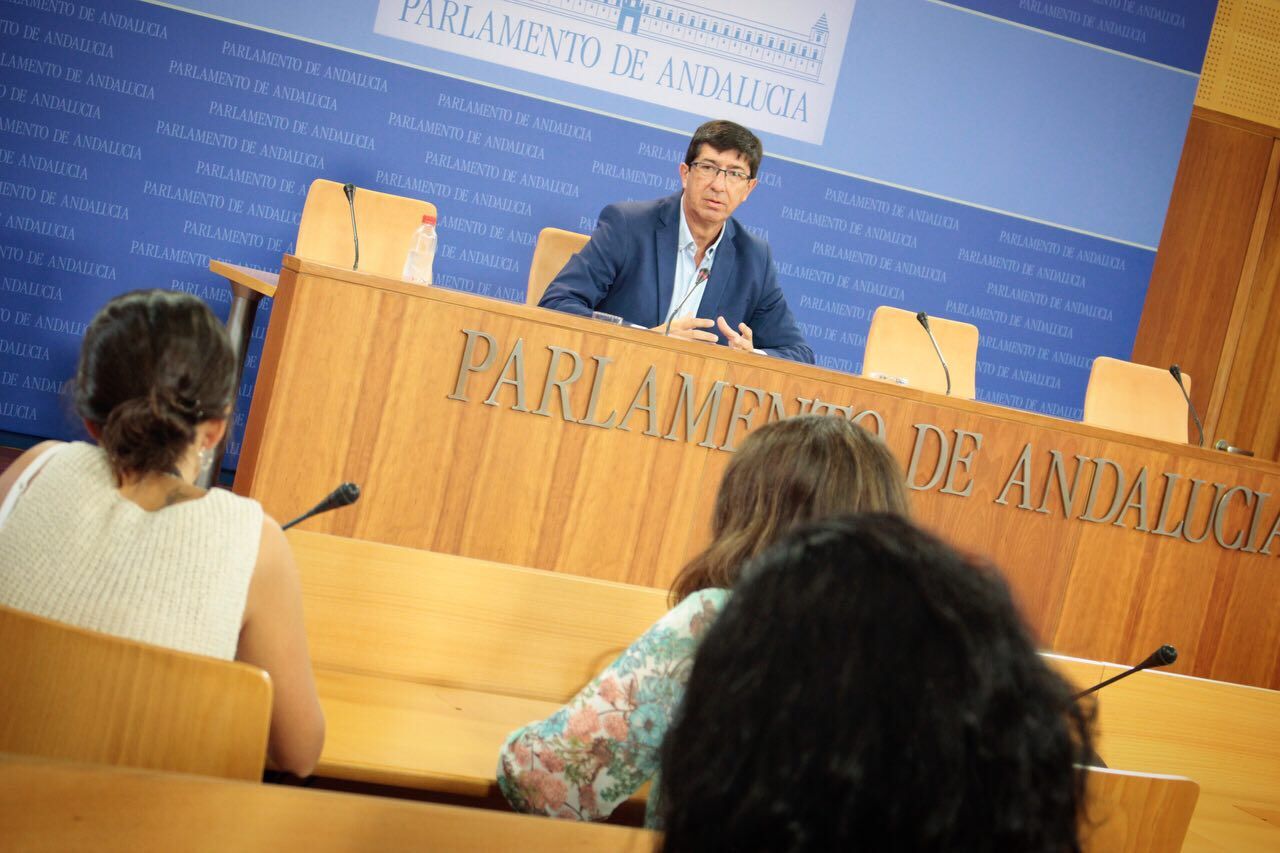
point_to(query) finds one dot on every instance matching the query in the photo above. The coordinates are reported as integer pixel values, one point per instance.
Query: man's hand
(737, 340)
(688, 329)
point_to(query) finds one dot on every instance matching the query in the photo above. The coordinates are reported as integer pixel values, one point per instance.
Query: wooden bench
(425, 662)
(1224, 736)
(55, 805)
(51, 804)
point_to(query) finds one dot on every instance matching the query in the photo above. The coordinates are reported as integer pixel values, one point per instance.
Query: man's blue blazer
(629, 268)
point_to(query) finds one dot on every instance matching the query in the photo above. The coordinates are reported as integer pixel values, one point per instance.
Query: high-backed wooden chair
(1137, 399)
(70, 693)
(385, 223)
(898, 346)
(555, 247)
(1136, 812)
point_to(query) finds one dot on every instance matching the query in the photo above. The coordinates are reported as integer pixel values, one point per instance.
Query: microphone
(1162, 656)
(350, 190)
(923, 318)
(703, 275)
(347, 493)
(1177, 374)
(1227, 447)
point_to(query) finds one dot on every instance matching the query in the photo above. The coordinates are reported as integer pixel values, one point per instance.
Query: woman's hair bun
(154, 363)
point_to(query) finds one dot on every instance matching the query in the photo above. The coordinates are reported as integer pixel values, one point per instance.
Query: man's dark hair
(726, 136)
(867, 687)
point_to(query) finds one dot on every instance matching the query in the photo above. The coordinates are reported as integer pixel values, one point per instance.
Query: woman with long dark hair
(116, 537)
(868, 688)
(601, 747)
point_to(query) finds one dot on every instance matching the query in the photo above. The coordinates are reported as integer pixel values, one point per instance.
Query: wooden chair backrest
(554, 248)
(1136, 812)
(385, 222)
(383, 610)
(54, 805)
(898, 346)
(1137, 399)
(66, 692)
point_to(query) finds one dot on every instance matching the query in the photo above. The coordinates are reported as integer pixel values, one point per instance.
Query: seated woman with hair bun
(117, 538)
(599, 749)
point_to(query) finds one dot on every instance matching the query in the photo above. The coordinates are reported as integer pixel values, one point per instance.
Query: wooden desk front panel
(355, 384)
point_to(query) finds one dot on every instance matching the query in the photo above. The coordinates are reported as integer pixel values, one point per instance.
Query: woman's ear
(94, 430)
(210, 432)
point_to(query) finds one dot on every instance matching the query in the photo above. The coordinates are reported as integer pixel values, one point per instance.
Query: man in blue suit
(674, 263)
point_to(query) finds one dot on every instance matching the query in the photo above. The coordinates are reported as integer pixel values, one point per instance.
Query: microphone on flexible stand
(347, 493)
(1162, 656)
(1177, 374)
(350, 191)
(703, 275)
(923, 319)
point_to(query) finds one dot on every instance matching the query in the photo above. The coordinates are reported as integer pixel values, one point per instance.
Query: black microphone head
(923, 319)
(1176, 371)
(1162, 656)
(350, 190)
(349, 493)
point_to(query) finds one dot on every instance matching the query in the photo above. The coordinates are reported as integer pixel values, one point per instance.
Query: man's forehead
(731, 157)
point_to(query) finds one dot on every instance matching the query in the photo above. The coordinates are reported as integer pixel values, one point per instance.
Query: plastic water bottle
(422, 252)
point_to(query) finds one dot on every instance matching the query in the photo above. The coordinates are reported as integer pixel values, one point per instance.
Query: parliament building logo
(770, 66)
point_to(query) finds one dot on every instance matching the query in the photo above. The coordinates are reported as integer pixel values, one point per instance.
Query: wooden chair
(898, 346)
(66, 692)
(555, 247)
(385, 223)
(1137, 399)
(54, 805)
(1136, 812)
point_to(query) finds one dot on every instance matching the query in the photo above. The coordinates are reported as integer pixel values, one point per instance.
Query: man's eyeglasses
(708, 171)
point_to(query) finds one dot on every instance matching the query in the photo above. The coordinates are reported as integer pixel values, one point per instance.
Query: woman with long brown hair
(601, 747)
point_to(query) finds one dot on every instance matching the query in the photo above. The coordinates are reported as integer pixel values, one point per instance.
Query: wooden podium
(515, 434)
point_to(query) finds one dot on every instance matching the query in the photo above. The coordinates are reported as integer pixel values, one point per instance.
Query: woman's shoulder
(239, 503)
(31, 456)
(695, 613)
(709, 599)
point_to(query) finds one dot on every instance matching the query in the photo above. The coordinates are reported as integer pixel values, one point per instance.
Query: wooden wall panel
(1221, 176)
(1250, 411)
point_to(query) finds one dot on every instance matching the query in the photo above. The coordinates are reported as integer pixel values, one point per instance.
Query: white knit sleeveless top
(75, 550)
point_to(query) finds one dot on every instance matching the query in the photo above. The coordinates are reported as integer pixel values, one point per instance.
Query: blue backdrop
(977, 163)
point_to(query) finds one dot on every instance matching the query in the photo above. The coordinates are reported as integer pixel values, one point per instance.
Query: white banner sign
(769, 65)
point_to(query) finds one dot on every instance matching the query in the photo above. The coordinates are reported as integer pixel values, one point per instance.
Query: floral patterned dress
(601, 747)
